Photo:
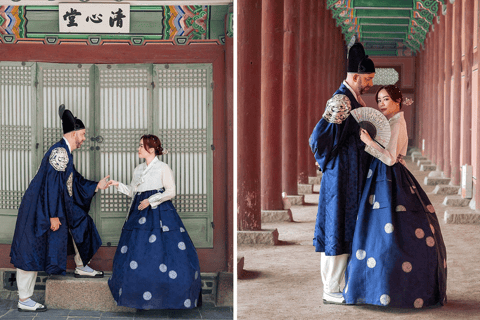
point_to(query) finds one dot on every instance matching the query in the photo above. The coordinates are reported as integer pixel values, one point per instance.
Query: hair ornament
(407, 101)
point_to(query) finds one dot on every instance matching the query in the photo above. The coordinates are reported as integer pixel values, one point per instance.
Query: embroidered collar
(351, 90)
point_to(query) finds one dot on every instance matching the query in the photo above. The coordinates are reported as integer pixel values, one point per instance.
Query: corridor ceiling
(386, 27)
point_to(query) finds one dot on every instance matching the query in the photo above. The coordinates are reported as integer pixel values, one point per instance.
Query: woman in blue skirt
(398, 254)
(156, 265)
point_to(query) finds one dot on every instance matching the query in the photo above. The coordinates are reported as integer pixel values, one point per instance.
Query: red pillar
(447, 168)
(271, 100)
(457, 91)
(290, 97)
(441, 91)
(427, 84)
(434, 101)
(477, 186)
(303, 134)
(248, 114)
(312, 71)
(466, 117)
(320, 62)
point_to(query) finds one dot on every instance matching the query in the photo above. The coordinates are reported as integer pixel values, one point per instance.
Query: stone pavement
(8, 311)
(283, 281)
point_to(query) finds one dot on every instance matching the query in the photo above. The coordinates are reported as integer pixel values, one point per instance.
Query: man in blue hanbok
(338, 150)
(53, 217)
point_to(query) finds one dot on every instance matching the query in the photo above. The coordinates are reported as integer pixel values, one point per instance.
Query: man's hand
(103, 184)
(112, 183)
(55, 224)
(145, 203)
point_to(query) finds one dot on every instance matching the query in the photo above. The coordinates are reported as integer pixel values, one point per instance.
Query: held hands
(144, 204)
(112, 183)
(55, 224)
(103, 184)
(365, 137)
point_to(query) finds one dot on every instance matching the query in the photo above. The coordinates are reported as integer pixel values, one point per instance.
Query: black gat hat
(69, 122)
(358, 61)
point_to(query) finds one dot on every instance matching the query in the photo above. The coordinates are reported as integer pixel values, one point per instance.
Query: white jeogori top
(396, 146)
(155, 176)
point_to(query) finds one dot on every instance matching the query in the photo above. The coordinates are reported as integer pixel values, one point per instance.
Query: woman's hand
(112, 183)
(365, 137)
(103, 184)
(144, 204)
(55, 224)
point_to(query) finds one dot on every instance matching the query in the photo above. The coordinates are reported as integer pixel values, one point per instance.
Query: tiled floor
(8, 310)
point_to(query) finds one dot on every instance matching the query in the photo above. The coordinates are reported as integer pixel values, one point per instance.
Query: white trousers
(333, 271)
(26, 279)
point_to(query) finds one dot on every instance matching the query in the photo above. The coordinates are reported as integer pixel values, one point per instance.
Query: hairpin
(407, 101)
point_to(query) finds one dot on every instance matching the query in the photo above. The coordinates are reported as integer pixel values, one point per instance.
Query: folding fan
(375, 123)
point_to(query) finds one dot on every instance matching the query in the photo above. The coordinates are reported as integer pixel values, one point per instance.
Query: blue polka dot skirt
(156, 264)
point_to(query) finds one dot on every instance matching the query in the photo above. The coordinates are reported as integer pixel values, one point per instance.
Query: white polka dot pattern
(165, 228)
(430, 208)
(346, 288)
(432, 228)
(385, 299)
(372, 199)
(406, 266)
(142, 220)
(361, 254)
(181, 246)
(371, 263)
(147, 295)
(187, 303)
(419, 233)
(120, 292)
(196, 275)
(182, 230)
(196, 300)
(418, 303)
(388, 228)
(445, 263)
(133, 264)
(400, 208)
(430, 241)
(124, 249)
(152, 238)
(172, 274)
(370, 172)
(376, 205)
(163, 268)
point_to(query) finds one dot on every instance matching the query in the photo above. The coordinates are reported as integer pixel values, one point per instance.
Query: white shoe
(333, 298)
(36, 308)
(90, 273)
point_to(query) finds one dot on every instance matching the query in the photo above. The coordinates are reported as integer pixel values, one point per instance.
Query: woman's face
(142, 153)
(387, 106)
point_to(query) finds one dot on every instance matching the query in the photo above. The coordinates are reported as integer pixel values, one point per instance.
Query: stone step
(296, 200)
(68, 292)
(240, 266)
(305, 188)
(266, 237)
(276, 215)
(461, 216)
(421, 162)
(417, 157)
(433, 181)
(446, 189)
(456, 201)
(314, 180)
(428, 167)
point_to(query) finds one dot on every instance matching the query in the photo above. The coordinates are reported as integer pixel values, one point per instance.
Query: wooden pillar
(447, 168)
(303, 134)
(290, 97)
(320, 41)
(428, 87)
(434, 101)
(248, 114)
(477, 186)
(457, 92)
(313, 69)
(441, 91)
(271, 99)
(466, 116)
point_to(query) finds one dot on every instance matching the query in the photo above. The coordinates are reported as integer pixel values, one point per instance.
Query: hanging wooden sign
(94, 18)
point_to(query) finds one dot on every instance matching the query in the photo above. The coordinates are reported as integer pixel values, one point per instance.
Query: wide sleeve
(332, 129)
(169, 186)
(83, 190)
(390, 154)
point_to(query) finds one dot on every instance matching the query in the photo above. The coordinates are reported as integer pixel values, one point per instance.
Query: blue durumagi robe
(398, 254)
(57, 190)
(336, 145)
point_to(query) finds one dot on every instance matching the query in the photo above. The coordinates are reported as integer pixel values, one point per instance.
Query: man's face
(364, 82)
(79, 138)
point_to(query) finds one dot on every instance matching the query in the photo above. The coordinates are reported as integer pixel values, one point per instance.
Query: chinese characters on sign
(94, 18)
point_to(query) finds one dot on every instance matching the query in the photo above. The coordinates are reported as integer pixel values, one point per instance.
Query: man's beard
(363, 89)
(78, 143)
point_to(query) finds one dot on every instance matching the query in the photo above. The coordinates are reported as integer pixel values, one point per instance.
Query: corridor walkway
(283, 282)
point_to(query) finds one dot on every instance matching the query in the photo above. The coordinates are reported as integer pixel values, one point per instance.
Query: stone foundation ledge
(422, 162)
(314, 180)
(240, 266)
(428, 167)
(276, 215)
(416, 157)
(461, 216)
(431, 181)
(305, 188)
(446, 189)
(267, 237)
